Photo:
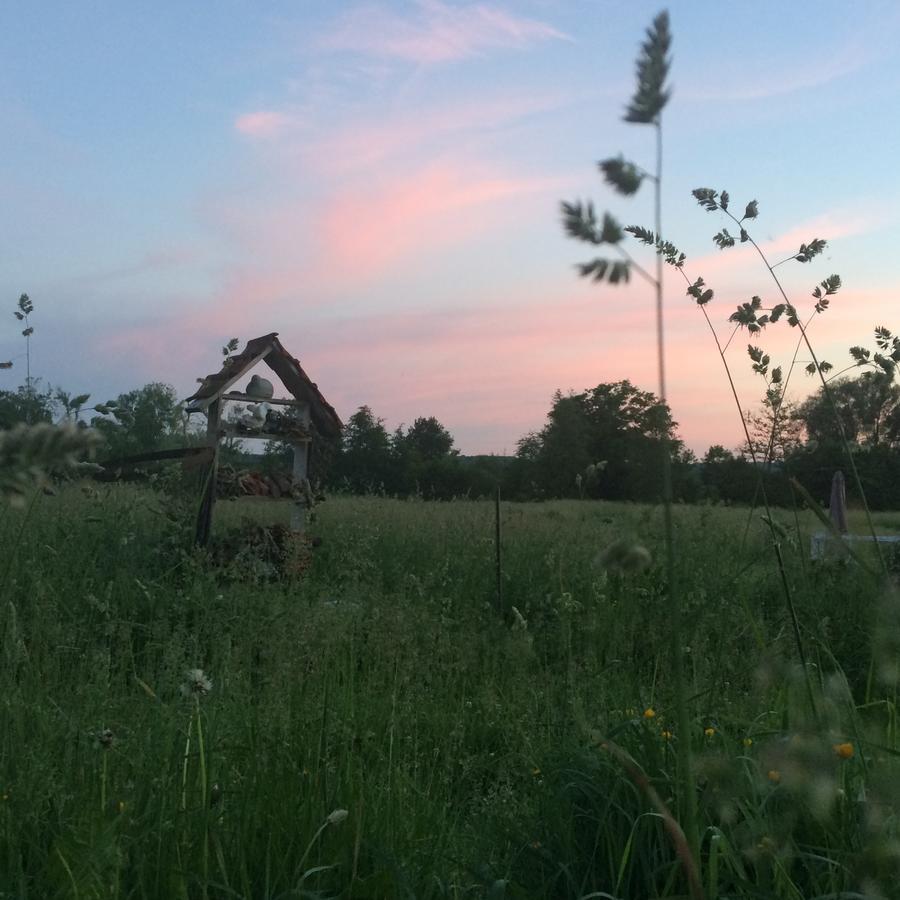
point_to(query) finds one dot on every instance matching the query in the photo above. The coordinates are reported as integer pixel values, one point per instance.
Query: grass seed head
(196, 683)
(337, 816)
(625, 556)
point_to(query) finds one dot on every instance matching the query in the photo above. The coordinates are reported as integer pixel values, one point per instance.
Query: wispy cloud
(861, 44)
(435, 32)
(365, 231)
(406, 133)
(262, 123)
(831, 227)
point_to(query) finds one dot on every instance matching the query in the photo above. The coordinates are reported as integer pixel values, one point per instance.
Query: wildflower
(709, 732)
(666, 734)
(844, 751)
(536, 772)
(774, 776)
(747, 742)
(121, 806)
(196, 683)
(337, 816)
(649, 713)
(766, 845)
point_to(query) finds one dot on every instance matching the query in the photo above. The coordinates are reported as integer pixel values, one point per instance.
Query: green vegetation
(465, 744)
(642, 701)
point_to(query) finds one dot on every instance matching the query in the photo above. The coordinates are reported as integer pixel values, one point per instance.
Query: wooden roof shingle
(270, 350)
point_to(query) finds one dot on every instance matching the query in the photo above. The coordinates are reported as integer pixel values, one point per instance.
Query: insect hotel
(294, 420)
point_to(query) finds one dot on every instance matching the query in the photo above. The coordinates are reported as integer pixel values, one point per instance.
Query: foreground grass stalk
(184, 765)
(685, 760)
(204, 802)
(580, 221)
(686, 855)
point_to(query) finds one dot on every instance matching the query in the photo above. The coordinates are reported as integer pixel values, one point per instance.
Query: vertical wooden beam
(300, 474)
(498, 546)
(208, 488)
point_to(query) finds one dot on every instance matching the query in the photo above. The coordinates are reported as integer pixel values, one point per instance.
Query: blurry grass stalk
(686, 855)
(580, 221)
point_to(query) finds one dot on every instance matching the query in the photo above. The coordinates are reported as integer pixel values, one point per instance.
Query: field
(379, 728)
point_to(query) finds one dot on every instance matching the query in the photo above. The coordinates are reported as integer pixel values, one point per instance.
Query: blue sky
(379, 183)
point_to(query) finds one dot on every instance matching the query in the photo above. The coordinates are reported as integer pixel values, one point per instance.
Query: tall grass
(384, 684)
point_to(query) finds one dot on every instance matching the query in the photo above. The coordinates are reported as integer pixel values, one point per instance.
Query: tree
(142, 420)
(26, 404)
(428, 439)
(780, 416)
(868, 406)
(365, 463)
(605, 442)
(425, 461)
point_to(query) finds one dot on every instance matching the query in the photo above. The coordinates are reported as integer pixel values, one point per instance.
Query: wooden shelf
(231, 431)
(275, 401)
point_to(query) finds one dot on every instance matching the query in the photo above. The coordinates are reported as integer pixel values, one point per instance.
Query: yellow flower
(709, 732)
(844, 751)
(649, 713)
(774, 776)
(747, 742)
(536, 772)
(667, 735)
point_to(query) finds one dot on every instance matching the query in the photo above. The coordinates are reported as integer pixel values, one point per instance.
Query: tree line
(601, 443)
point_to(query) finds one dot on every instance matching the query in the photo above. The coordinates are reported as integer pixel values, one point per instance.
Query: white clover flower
(196, 683)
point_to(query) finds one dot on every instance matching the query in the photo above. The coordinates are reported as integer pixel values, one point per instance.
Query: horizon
(381, 186)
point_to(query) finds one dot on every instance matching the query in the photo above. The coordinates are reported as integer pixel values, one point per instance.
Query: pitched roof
(270, 350)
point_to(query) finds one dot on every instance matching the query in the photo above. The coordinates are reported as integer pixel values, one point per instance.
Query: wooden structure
(294, 419)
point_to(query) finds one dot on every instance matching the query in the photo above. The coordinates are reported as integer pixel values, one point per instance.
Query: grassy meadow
(378, 728)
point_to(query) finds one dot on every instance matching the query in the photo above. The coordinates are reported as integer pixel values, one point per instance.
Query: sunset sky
(380, 184)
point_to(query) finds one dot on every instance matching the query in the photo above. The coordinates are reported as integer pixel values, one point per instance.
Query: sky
(380, 183)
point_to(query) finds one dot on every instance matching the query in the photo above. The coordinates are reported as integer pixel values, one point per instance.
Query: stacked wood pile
(254, 552)
(234, 482)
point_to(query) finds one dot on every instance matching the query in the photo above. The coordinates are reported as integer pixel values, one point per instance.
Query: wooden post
(208, 490)
(499, 558)
(300, 474)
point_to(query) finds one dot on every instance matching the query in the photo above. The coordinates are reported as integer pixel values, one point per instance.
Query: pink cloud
(725, 265)
(365, 231)
(437, 32)
(262, 123)
(488, 369)
(402, 135)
